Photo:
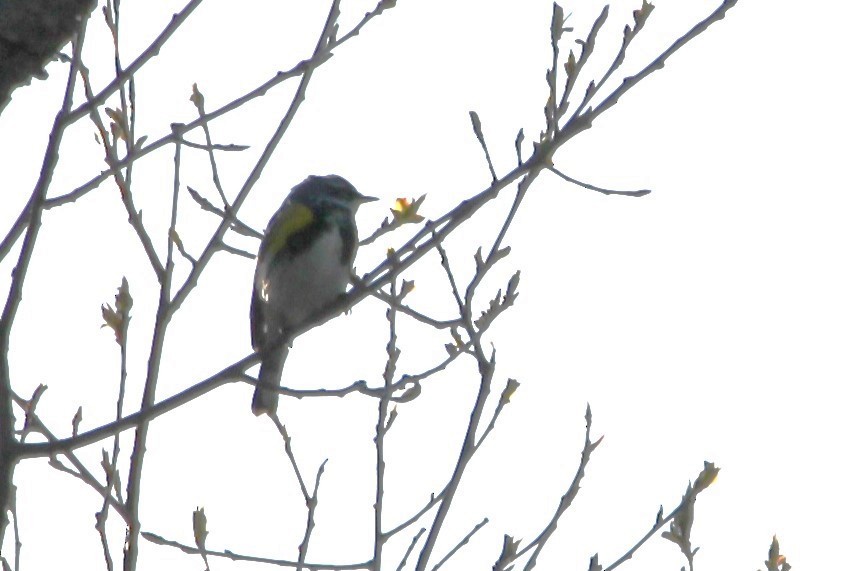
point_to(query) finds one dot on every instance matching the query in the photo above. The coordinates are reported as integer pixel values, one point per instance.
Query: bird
(304, 264)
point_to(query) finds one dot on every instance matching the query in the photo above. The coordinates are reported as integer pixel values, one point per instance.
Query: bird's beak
(363, 199)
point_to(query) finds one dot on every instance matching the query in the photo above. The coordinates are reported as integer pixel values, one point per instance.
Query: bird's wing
(285, 233)
(257, 326)
(287, 223)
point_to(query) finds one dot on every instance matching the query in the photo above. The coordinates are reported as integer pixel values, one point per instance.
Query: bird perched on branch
(304, 264)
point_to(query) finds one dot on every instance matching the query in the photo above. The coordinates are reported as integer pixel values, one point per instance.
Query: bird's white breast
(297, 288)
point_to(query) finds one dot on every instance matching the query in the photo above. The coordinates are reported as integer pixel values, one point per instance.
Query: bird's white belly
(298, 288)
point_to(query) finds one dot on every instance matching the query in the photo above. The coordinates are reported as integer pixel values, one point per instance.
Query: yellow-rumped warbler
(305, 262)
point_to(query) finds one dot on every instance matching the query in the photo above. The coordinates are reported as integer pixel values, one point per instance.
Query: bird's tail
(266, 397)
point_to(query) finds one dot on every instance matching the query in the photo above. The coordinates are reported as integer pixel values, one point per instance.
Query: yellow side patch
(295, 218)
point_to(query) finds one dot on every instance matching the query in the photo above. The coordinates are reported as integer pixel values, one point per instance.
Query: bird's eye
(265, 293)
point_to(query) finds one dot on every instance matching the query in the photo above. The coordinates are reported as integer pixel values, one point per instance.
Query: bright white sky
(712, 320)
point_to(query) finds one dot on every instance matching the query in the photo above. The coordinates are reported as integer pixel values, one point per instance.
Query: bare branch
(199, 102)
(444, 262)
(474, 117)
(461, 543)
(176, 239)
(124, 301)
(213, 146)
(382, 5)
(433, 501)
(311, 504)
(641, 192)
(486, 369)
(418, 316)
(237, 225)
(15, 231)
(384, 421)
(567, 499)
(410, 549)
(510, 386)
(192, 550)
(135, 217)
(574, 67)
(286, 441)
(704, 479)
(162, 318)
(80, 471)
(229, 374)
(236, 251)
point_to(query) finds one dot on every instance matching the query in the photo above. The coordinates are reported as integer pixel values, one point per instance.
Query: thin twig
(128, 129)
(199, 101)
(382, 5)
(16, 530)
(486, 369)
(193, 550)
(477, 129)
(135, 218)
(551, 109)
(80, 471)
(180, 247)
(461, 543)
(311, 504)
(431, 371)
(567, 499)
(658, 524)
(236, 251)
(435, 499)
(388, 225)
(289, 452)
(418, 316)
(557, 172)
(237, 225)
(629, 33)
(410, 549)
(163, 315)
(587, 48)
(497, 411)
(214, 147)
(15, 231)
(112, 471)
(522, 187)
(384, 420)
